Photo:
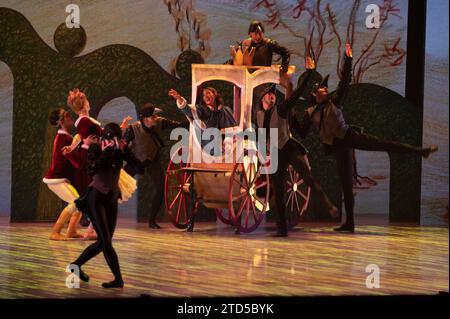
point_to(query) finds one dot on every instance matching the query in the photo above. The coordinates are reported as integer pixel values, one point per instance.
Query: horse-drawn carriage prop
(238, 190)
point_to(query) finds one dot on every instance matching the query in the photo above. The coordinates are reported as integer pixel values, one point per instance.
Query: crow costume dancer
(290, 151)
(338, 137)
(105, 161)
(145, 142)
(64, 178)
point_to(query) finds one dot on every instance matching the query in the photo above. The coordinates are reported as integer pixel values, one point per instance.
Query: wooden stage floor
(213, 261)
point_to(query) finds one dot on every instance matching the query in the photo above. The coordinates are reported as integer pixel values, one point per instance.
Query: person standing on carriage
(290, 151)
(264, 51)
(144, 139)
(340, 139)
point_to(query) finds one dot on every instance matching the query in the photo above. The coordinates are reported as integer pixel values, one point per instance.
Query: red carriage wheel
(298, 195)
(177, 195)
(224, 215)
(248, 195)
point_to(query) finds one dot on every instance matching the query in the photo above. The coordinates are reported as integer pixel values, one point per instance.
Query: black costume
(145, 144)
(263, 57)
(290, 151)
(100, 202)
(341, 139)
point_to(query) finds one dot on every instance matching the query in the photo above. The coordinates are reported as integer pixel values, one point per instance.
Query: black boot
(190, 225)
(116, 283)
(282, 230)
(83, 276)
(346, 228)
(153, 225)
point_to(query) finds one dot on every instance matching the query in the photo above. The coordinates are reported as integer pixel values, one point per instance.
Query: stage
(213, 261)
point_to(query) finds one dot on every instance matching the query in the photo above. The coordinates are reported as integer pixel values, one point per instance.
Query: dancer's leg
(157, 175)
(108, 249)
(361, 141)
(69, 194)
(344, 161)
(297, 160)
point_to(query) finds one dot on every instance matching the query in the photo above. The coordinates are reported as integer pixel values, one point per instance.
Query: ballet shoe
(57, 236)
(116, 283)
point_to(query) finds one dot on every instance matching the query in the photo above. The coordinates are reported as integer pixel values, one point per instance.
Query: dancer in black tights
(105, 160)
(327, 116)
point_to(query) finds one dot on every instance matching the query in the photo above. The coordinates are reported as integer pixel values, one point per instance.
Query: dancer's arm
(283, 108)
(68, 149)
(171, 124)
(283, 52)
(346, 78)
(181, 103)
(78, 157)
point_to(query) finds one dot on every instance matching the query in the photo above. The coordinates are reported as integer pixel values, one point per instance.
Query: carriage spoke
(289, 198)
(290, 174)
(253, 210)
(239, 196)
(296, 202)
(179, 209)
(247, 208)
(261, 185)
(240, 185)
(174, 200)
(187, 179)
(241, 207)
(305, 197)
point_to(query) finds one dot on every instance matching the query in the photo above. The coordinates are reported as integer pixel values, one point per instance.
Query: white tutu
(127, 186)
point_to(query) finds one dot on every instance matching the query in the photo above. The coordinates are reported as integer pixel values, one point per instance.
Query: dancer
(290, 151)
(105, 160)
(63, 177)
(145, 143)
(264, 51)
(86, 126)
(264, 47)
(327, 117)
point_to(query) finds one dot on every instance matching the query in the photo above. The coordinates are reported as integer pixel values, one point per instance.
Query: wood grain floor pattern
(213, 261)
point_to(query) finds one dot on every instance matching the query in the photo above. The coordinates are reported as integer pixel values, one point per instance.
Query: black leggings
(290, 154)
(343, 152)
(102, 210)
(156, 172)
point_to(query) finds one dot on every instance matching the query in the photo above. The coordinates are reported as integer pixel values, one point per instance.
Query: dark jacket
(327, 117)
(278, 116)
(264, 51)
(144, 142)
(104, 167)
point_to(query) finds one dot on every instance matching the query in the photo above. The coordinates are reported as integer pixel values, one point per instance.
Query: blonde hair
(76, 100)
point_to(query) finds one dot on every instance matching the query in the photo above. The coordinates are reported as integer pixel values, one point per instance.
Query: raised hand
(348, 50)
(309, 63)
(66, 150)
(177, 96)
(125, 121)
(89, 140)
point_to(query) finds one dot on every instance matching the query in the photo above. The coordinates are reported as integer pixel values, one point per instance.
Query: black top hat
(270, 88)
(148, 109)
(255, 26)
